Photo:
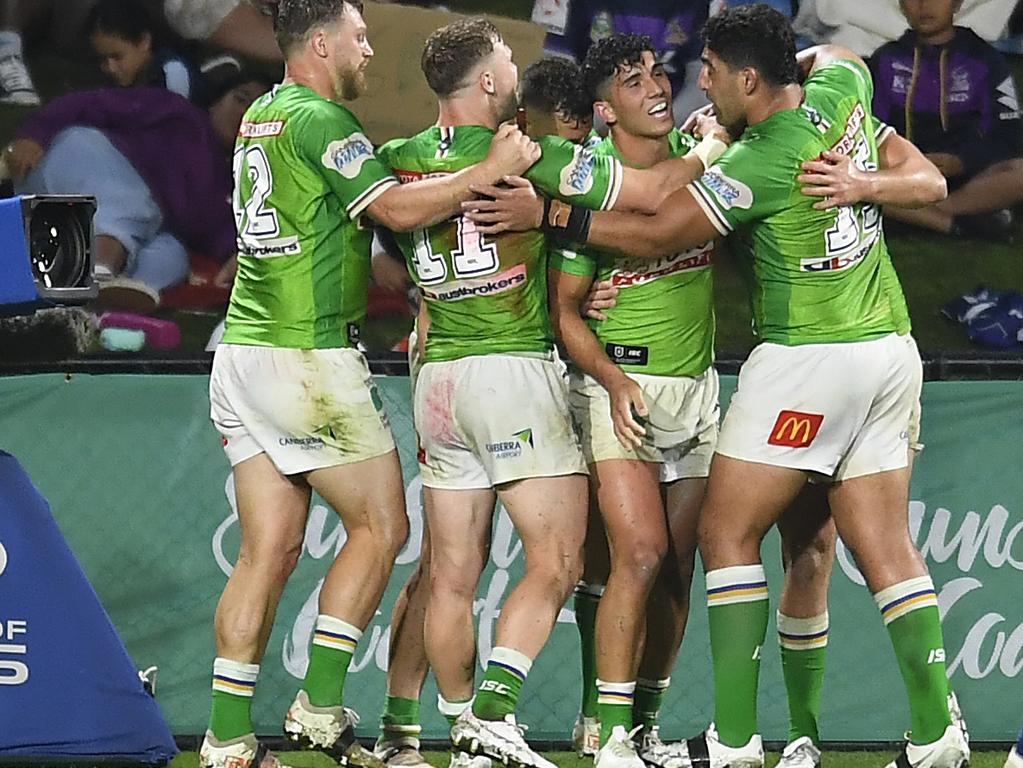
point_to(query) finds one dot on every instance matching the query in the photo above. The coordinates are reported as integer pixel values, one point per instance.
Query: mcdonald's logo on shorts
(795, 429)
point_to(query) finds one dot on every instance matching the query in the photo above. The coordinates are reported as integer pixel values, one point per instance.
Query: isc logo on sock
(936, 656)
(501, 689)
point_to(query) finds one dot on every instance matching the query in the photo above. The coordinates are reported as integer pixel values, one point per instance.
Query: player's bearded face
(352, 52)
(723, 88)
(506, 80)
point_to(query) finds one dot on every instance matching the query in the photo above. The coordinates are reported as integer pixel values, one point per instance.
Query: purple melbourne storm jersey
(957, 98)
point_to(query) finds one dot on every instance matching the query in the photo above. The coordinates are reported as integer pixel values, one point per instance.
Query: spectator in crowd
(672, 25)
(159, 168)
(864, 25)
(952, 94)
(241, 26)
(132, 49)
(16, 85)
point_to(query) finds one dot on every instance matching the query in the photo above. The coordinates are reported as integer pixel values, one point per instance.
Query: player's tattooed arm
(566, 294)
(411, 206)
(906, 178)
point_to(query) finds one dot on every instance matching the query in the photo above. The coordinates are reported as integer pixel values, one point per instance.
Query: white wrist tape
(709, 150)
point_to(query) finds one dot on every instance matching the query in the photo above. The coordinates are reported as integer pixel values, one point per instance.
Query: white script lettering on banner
(974, 543)
(324, 538)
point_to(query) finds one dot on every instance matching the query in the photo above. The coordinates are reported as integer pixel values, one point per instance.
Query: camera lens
(59, 246)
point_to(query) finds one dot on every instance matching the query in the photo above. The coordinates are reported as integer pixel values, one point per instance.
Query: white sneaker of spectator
(15, 83)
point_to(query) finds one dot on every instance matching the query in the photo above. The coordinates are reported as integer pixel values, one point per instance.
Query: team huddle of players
(615, 472)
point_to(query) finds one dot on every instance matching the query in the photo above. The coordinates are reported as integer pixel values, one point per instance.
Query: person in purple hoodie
(158, 166)
(952, 94)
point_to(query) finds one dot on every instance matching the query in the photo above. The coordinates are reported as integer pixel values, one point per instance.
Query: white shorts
(681, 429)
(197, 19)
(304, 408)
(839, 410)
(491, 419)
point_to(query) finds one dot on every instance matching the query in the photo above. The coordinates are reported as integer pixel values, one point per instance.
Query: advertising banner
(141, 489)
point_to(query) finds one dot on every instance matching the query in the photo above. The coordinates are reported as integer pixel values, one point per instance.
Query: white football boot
(500, 740)
(619, 751)
(243, 752)
(801, 753)
(950, 751)
(660, 754)
(330, 730)
(586, 736)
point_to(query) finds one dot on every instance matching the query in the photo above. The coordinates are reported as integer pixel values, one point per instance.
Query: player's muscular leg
(406, 661)
(808, 553)
(668, 605)
(629, 495)
(549, 514)
(596, 557)
(459, 524)
(871, 513)
(369, 497)
(272, 510)
(744, 499)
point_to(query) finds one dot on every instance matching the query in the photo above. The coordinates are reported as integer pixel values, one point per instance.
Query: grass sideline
(990, 759)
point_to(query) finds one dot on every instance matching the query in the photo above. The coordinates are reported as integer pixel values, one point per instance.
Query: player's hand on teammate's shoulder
(835, 179)
(512, 206)
(603, 294)
(511, 152)
(628, 410)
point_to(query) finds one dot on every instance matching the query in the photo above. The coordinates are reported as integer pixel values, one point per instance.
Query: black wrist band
(565, 223)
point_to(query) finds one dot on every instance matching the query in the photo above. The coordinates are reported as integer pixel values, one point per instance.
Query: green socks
(452, 709)
(737, 603)
(502, 682)
(614, 706)
(400, 718)
(234, 682)
(910, 612)
(804, 646)
(649, 698)
(587, 598)
(333, 646)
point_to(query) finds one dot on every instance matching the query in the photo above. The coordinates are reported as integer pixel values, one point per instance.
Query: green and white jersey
(304, 172)
(663, 322)
(818, 276)
(488, 295)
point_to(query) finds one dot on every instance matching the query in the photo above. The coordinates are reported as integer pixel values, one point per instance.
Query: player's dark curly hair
(553, 83)
(605, 57)
(452, 51)
(293, 19)
(756, 36)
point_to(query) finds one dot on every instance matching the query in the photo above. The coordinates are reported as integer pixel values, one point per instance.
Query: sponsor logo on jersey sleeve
(729, 193)
(577, 176)
(795, 429)
(346, 156)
